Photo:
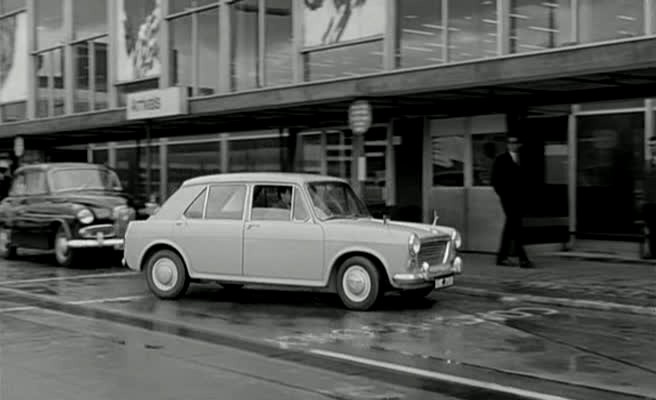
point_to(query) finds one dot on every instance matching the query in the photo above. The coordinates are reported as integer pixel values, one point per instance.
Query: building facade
(266, 85)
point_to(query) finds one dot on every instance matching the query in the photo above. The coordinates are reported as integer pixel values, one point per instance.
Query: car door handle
(249, 226)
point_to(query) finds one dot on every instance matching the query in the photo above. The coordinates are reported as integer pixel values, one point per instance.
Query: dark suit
(508, 182)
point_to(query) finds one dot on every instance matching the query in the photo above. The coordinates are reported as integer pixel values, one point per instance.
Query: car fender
(164, 242)
(356, 249)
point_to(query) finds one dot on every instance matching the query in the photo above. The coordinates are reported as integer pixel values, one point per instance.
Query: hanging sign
(360, 116)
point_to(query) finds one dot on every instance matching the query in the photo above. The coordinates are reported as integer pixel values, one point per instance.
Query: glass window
(188, 160)
(101, 156)
(226, 202)
(353, 60)
(7, 6)
(84, 178)
(89, 18)
(176, 6)
(339, 147)
(278, 46)
(195, 209)
(601, 20)
(123, 90)
(13, 112)
(472, 29)
(421, 32)
(609, 164)
(50, 89)
(309, 154)
(101, 74)
(486, 148)
(81, 65)
(18, 186)
(245, 48)
(181, 51)
(272, 203)
(256, 155)
(208, 52)
(36, 182)
(538, 25)
(49, 23)
(300, 209)
(448, 161)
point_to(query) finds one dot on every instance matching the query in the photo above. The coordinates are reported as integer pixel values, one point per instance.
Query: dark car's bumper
(98, 243)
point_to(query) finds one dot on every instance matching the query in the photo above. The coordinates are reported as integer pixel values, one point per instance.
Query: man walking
(507, 181)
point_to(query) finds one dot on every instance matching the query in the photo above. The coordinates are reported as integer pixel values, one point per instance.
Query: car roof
(269, 177)
(58, 165)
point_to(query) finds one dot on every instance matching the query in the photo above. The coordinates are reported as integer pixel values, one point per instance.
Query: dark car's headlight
(85, 216)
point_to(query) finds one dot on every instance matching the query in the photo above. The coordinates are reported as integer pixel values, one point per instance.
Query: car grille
(433, 251)
(92, 232)
(123, 216)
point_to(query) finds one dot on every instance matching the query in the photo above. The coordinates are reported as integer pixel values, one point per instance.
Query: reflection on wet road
(518, 344)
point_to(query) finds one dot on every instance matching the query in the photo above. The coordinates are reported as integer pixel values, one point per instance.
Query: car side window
(272, 203)
(18, 186)
(35, 182)
(300, 210)
(195, 209)
(226, 202)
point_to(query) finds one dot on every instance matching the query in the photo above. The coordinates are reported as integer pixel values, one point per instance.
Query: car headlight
(414, 245)
(85, 216)
(457, 239)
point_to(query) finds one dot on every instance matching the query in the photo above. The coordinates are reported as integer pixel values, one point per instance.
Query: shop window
(89, 18)
(81, 65)
(421, 32)
(309, 154)
(189, 160)
(539, 25)
(181, 51)
(131, 168)
(100, 156)
(278, 45)
(601, 20)
(13, 112)
(50, 83)
(49, 15)
(472, 29)
(208, 52)
(244, 42)
(339, 149)
(7, 6)
(257, 155)
(346, 61)
(448, 153)
(486, 147)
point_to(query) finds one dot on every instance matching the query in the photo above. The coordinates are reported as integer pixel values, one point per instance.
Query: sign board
(157, 103)
(360, 116)
(19, 146)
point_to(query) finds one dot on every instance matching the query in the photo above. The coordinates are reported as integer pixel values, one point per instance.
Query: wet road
(401, 350)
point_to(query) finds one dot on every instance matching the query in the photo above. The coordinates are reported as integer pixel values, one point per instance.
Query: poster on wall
(335, 21)
(139, 23)
(13, 58)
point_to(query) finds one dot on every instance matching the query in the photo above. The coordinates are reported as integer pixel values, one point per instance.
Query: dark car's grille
(122, 218)
(92, 231)
(433, 251)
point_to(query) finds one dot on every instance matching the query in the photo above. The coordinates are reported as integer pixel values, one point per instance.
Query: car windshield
(332, 200)
(85, 179)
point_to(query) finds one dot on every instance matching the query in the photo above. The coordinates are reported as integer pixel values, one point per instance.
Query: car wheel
(417, 293)
(166, 275)
(64, 255)
(358, 283)
(7, 250)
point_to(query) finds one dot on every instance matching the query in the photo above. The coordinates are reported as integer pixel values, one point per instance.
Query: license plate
(443, 282)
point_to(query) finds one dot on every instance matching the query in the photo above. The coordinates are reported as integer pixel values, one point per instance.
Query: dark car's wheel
(7, 250)
(358, 283)
(166, 275)
(417, 293)
(64, 255)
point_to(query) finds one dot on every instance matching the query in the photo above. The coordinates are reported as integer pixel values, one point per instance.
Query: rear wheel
(358, 283)
(167, 275)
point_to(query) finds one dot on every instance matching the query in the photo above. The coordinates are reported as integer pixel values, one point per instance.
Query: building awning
(625, 69)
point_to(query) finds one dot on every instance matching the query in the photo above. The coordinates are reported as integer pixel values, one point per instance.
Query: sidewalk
(566, 282)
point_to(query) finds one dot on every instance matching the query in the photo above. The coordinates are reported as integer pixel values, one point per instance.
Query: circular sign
(360, 116)
(19, 146)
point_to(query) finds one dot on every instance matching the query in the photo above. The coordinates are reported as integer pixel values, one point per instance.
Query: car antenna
(435, 217)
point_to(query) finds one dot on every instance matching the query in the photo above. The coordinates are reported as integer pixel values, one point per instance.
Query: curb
(447, 385)
(557, 301)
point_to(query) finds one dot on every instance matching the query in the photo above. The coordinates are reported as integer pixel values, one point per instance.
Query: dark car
(66, 207)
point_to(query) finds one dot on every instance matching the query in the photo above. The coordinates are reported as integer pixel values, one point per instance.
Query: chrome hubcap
(165, 274)
(356, 283)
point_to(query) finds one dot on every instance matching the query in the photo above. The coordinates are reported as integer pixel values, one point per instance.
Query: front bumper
(116, 243)
(428, 275)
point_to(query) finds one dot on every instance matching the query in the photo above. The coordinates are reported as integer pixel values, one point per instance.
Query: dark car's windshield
(84, 179)
(333, 200)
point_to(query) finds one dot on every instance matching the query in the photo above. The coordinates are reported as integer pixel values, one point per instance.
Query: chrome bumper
(116, 243)
(429, 274)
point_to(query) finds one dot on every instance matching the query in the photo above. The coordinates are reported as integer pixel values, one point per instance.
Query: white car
(287, 229)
